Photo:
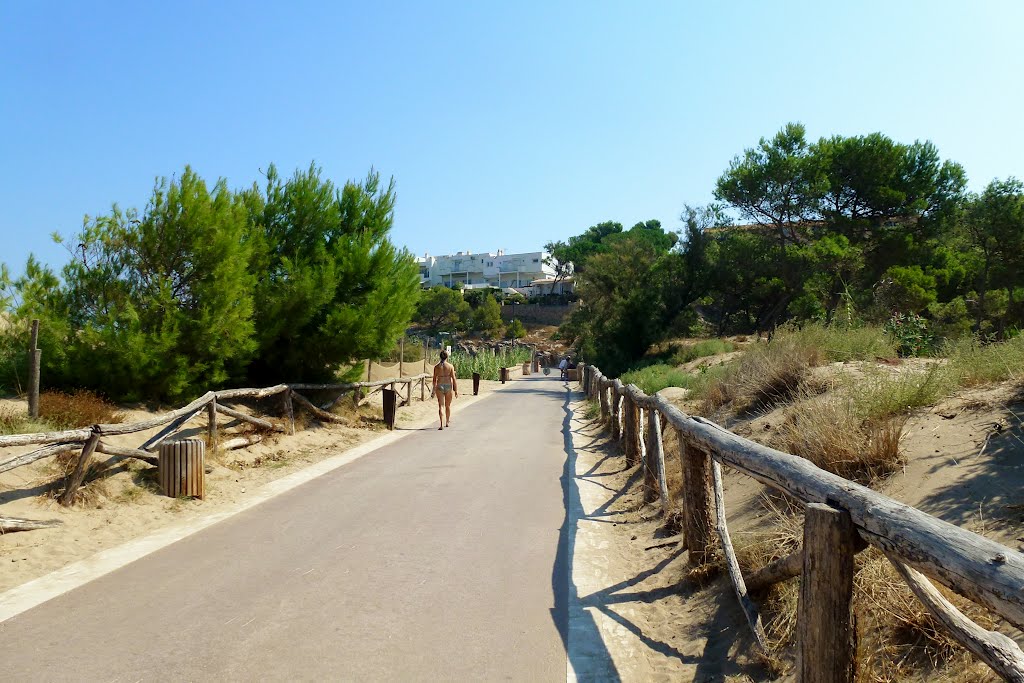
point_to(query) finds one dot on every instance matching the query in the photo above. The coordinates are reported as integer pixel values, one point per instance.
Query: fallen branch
(239, 415)
(11, 524)
(322, 414)
(240, 442)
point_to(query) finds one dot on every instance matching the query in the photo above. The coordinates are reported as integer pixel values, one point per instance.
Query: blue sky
(505, 125)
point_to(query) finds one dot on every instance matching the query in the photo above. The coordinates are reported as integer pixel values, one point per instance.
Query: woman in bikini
(445, 386)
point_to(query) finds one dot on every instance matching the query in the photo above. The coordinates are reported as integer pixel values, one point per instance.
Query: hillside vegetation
(846, 231)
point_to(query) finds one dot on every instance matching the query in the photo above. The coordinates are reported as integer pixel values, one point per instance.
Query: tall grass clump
(701, 349)
(764, 376)
(845, 343)
(974, 363)
(15, 421)
(829, 432)
(488, 364)
(654, 378)
(880, 394)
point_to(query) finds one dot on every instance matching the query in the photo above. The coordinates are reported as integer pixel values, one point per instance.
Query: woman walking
(446, 387)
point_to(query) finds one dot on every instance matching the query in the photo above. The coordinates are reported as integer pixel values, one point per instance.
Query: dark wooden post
(826, 636)
(604, 402)
(616, 414)
(476, 383)
(34, 358)
(369, 368)
(698, 492)
(211, 424)
(289, 410)
(88, 449)
(390, 399)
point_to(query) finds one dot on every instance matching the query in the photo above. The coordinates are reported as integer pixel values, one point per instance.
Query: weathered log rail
(847, 517)
(88, 441)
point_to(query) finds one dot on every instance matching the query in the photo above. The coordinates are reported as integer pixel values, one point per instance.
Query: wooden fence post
(289, 410)
(369, 368)
(825, 634)
(630, 428)
(34, 359)
(616, 414)
(698, 495)
(211, 424)
(401, 357)
(88, 449)
(604, 402)
(656, 459)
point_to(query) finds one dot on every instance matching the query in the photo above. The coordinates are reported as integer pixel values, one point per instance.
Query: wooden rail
(846, 517)
(88, 440)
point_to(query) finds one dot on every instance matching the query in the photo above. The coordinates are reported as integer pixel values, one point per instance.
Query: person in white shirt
(562, 365)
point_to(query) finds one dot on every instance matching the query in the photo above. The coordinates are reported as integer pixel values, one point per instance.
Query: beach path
(435, 557)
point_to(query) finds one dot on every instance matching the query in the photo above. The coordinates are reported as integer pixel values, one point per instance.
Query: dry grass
(765, 376)
(830, 433)
(758, 549)
(897, 638)
(78, 409)
(14, 421)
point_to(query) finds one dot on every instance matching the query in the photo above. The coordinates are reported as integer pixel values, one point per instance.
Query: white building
(484, 270)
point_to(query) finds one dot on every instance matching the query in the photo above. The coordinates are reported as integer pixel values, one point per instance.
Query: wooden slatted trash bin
(180, 468)
(390, 407)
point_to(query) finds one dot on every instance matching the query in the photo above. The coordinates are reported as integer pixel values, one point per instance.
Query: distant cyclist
(446, 387)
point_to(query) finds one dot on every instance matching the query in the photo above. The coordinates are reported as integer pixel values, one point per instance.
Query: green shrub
(701, 349)
(910, 334)
(487, 364)
(654, 378)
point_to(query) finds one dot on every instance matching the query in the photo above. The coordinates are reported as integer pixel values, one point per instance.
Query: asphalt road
(433, 558)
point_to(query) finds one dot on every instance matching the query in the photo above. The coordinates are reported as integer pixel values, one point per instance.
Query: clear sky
(505, 125)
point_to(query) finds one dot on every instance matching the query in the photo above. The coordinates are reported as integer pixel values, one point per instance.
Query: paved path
(437, 557)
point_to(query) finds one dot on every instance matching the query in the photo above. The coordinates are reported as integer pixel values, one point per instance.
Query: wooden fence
(842, 518)
(89, 440)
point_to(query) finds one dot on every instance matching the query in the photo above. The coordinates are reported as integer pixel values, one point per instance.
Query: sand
(124, 504)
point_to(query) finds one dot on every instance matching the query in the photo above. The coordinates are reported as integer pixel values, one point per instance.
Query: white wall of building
(484, 269)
